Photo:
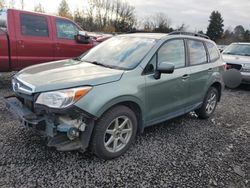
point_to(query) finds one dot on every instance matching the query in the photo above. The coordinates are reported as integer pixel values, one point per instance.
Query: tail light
(225, 66)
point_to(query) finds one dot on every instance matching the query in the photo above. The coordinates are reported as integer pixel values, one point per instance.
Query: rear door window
(213, 52)
(197, 52)
(66, 29)
(33, 25)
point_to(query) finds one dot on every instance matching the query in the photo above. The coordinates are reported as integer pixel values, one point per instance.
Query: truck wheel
(209, 104)
(114, 132)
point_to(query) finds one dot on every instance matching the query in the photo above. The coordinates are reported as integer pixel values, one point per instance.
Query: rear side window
(197, 52)
(33, 25)
(66, 29)
(173, 52)
(213, 52)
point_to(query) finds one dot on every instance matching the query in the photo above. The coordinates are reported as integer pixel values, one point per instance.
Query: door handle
(185, 76)
(210, 70)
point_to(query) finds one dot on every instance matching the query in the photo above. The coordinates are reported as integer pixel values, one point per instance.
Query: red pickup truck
(28, 38)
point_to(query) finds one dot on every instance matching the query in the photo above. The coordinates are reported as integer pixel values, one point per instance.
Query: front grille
(234, 66)
(27, 100)
(245, 70)
(19, 86)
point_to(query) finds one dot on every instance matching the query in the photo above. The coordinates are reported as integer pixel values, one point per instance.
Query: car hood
(236, 59)
(66, 74)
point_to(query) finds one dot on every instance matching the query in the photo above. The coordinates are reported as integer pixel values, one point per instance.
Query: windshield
(238, 49)
(3, 20)
(122, 52)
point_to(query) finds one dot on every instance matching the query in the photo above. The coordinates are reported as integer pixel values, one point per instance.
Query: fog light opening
(73, 133)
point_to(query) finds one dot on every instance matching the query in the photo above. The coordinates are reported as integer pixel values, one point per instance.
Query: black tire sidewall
(103, 123)
(202, 113)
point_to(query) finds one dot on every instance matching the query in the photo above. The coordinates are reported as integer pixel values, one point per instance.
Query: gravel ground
(184, 152)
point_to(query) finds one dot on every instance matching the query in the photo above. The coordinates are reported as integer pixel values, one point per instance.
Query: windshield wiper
(230, 53)
(77, 58)
(245, 54)
(103, 65)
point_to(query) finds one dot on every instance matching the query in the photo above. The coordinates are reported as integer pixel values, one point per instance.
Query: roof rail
(189, 33)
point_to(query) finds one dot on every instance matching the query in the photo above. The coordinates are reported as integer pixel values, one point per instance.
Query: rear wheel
(114, 132)
(209, 104)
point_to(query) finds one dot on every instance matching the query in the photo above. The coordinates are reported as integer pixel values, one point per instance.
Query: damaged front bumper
(62, 130)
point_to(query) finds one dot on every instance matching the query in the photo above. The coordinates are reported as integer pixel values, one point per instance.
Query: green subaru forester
(100, 100)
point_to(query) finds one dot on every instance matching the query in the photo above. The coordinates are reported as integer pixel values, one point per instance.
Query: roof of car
(248, 43)
(162, 35)
(147, 35)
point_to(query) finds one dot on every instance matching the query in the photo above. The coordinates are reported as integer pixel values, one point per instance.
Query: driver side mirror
(82, 38)
(164, 67)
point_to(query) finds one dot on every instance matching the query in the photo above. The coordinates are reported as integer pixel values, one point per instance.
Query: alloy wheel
(211, 103)
(118, 134)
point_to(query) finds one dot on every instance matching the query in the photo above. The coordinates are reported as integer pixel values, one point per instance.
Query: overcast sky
(194, 13)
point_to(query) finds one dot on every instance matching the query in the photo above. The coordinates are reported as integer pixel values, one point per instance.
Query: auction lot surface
(185, 152)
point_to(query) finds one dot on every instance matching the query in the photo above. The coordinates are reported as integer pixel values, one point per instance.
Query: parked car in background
(221, 47)
(29, 38)
(129, 82)
(237, 56)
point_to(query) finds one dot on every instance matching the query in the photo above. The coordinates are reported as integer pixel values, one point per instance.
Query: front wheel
(114, 132)
(209, 104)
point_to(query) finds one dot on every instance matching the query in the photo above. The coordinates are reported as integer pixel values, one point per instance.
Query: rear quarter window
(33, 25)
(213, 52)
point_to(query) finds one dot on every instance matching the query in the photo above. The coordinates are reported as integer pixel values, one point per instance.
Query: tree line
(119, 16)
(216, 32)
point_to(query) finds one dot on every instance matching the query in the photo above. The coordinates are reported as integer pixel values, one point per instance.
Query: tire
(117, 127)
(211, 99)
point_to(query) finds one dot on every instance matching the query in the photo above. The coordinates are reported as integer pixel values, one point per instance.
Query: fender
(121, 99)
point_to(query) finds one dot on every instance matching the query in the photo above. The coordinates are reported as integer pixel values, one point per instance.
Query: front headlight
(62, 98)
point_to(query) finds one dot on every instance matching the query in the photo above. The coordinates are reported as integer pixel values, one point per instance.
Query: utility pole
(22, 4)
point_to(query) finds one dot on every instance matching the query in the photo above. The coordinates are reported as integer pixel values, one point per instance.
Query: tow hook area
(72, 127)
(72, 133)
(64, 132)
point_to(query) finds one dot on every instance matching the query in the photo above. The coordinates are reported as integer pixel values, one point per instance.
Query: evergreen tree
(239, 32)
(39, 8)
(64, 10)
(215, 27)
(247, 36)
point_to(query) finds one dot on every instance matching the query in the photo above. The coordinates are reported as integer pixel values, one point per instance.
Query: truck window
(66, 29)
(3, 20)
(33, 25)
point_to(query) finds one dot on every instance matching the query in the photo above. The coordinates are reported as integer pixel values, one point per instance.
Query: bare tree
(11, 4)
(39, 8)
(79, 17)
(183, 27)
(158, 22)
(2, 3)
(63, 10)
(109, 14)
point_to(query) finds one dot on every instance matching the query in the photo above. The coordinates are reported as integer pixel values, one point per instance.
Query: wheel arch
(131, 102)
(218, 86)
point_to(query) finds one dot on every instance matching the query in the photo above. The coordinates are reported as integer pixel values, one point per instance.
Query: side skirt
(172, 115)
